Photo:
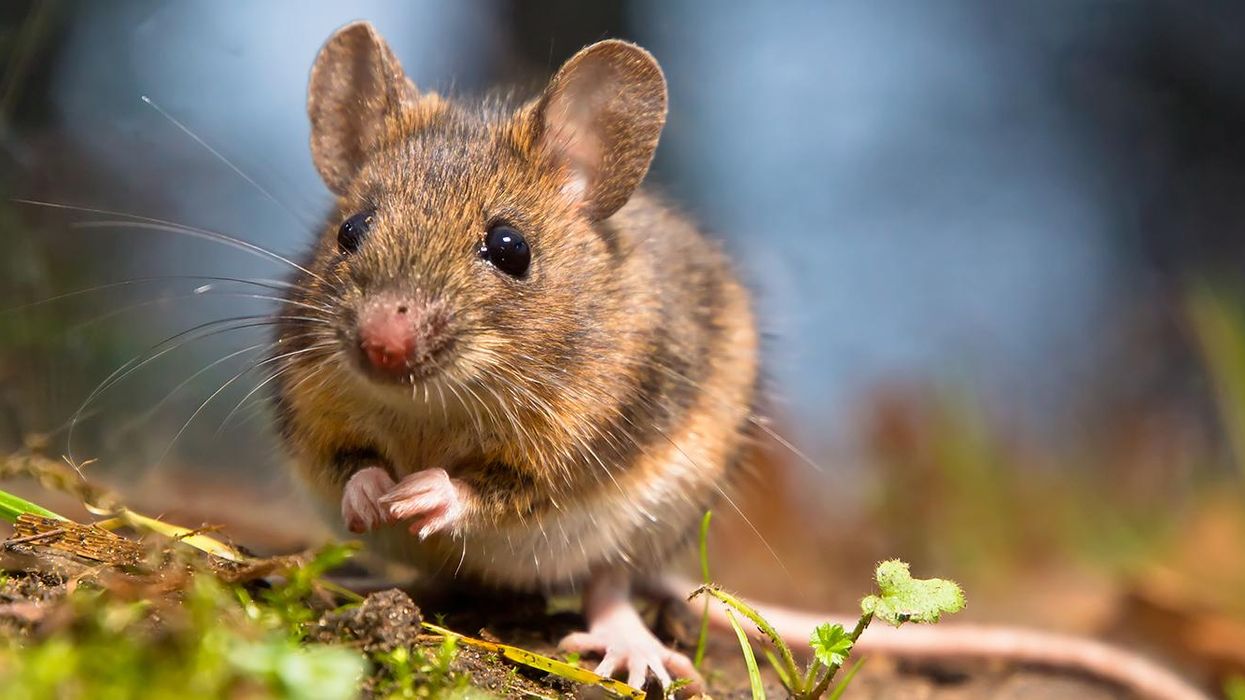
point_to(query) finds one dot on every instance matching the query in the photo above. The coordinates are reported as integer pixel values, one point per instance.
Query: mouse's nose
(396, 334)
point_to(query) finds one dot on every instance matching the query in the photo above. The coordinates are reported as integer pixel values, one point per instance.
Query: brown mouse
(507, 361)
(504, 360)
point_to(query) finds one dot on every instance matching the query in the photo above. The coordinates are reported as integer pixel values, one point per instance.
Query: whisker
(148, 222)
(186, 130)
(220, 429)
(475, 418)
(445, 416)
(584, 450)
(196, 232)
(197, 294)
(221, 388)
(203, 370)
(278, 285)
(252, 321)
(260, 386)
(204, 330)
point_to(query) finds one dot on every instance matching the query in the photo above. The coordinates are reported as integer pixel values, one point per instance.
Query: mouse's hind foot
(618, 634)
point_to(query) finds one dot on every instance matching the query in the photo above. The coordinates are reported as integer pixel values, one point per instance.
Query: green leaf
(906, 599)
(831, 644)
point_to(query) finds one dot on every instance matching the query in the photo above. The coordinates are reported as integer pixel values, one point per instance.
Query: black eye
(353, 230)
(505, 248)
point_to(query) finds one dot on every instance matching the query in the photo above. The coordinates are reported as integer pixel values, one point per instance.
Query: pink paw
(624, 643)
(431, 499)
(361, 508)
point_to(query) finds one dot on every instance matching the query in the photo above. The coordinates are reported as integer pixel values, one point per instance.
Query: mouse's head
(467, 241)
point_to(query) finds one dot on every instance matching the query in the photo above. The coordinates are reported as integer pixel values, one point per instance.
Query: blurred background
(998, 249)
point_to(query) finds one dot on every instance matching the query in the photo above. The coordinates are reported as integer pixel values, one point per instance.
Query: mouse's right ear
(356, 87)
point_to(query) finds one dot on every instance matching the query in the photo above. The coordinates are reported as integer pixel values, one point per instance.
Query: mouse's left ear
(600, 119)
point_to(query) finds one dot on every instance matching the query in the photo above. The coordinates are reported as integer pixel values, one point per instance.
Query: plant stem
(851, 673)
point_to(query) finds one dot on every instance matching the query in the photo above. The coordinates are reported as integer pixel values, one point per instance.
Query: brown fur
(595, 405)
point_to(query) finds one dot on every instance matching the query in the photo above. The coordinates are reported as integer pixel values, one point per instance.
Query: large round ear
(600, 118)
(356, 84)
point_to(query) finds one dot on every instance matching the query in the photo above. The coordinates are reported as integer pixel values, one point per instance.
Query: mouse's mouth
(401, 370)
(397, 340)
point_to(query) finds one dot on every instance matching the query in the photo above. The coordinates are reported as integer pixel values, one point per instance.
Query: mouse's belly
(557, 548)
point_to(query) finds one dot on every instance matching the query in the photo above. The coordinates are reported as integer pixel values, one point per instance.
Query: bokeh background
(998, 249)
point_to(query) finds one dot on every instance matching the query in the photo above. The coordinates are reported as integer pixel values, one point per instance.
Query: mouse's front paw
(361, 508)
(431, 499)
(625, 644)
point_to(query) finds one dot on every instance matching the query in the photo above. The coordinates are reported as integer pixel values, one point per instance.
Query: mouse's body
(635, 425)
(501, 359)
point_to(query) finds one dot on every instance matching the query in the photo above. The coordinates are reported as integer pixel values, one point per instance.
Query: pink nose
(388, 335)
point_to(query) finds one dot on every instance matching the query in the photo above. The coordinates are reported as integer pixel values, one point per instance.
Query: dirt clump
(383, 622)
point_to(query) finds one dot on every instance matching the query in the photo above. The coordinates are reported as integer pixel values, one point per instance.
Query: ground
(88, 607)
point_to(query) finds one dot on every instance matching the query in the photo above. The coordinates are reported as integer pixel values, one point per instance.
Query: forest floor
(130, 613)
(130, 622)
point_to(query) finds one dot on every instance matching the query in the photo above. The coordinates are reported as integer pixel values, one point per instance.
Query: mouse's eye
(353, 230)
(506, 249)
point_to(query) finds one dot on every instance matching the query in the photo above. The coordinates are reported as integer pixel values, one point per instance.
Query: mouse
(504, 360)
(507, 361)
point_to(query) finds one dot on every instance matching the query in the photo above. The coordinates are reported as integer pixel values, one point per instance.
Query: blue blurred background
(952, 189)
(966, 220)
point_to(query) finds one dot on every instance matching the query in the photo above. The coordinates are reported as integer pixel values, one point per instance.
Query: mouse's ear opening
(356, 84)
(600, 118)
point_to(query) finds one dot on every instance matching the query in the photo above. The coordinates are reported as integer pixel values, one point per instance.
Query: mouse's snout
(399, 336)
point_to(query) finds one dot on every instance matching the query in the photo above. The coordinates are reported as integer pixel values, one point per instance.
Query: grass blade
(782, 673)
(702, 641)
(754, 673)
(542, 663)
(12, 506)
(201, 542)
(1220, 334)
